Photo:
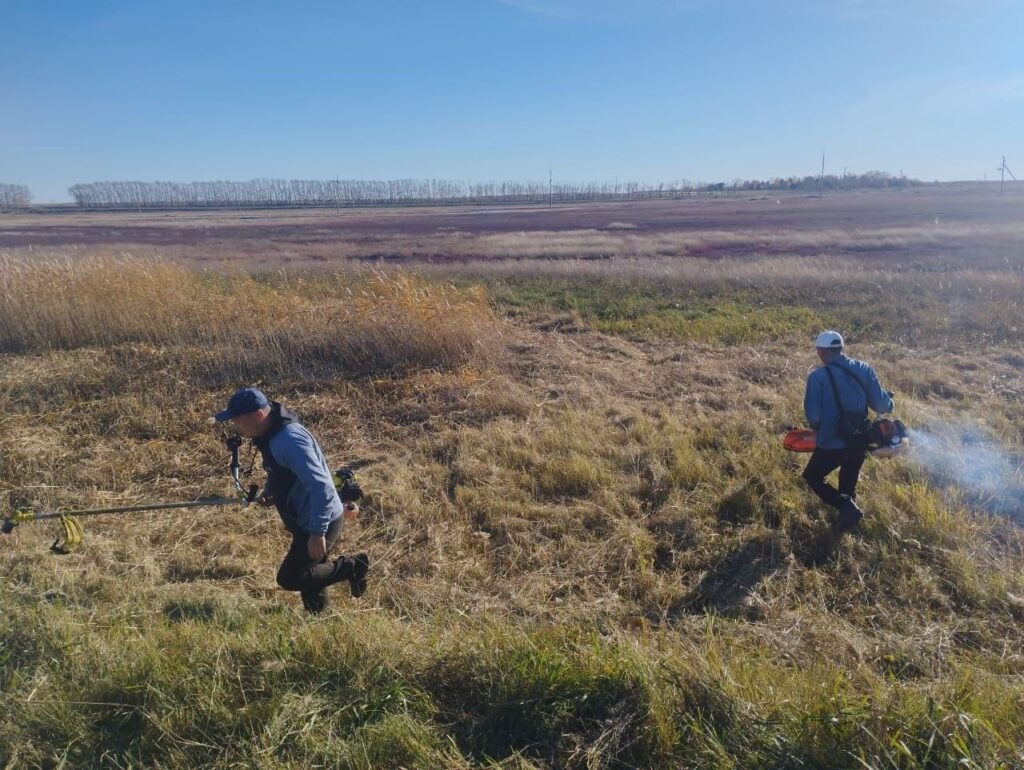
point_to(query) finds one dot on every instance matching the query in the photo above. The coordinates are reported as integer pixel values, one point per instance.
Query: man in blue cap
(836, 402)
(301, 486)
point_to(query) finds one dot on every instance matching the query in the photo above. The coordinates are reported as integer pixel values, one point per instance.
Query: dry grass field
(589, 548)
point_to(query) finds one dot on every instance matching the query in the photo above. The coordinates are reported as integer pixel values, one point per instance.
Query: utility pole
(1003, 171)
(823, 174)
(551, 189)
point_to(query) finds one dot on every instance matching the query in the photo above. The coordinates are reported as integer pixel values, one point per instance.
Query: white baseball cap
(829, 340)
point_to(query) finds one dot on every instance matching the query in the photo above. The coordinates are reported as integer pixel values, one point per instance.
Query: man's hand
(317, 547)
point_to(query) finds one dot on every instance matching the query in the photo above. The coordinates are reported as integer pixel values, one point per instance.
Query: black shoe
(850, 515)
(360, 566)
(316, 604)
(344, 566)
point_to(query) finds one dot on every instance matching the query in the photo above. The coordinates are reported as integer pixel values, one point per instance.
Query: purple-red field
(910, 223)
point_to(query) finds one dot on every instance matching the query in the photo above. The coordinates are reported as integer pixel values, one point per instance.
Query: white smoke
(991, 476)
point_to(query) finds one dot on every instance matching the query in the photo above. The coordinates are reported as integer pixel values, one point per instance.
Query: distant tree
(14, 196)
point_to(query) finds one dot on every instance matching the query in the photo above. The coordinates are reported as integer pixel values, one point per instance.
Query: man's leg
(849, 473)
(295, 562)
(298, 572)
(822, 463)
(324, 573)
(850, 513)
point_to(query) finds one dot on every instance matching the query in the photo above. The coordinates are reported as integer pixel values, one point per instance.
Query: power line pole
(551, 189)
(823, 174)
(1003, 171)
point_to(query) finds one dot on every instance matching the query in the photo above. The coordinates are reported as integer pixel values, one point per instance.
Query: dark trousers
(299, 572)
(823, 462)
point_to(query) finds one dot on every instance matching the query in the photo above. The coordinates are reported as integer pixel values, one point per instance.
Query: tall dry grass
(349, 323)
(981, 281)
(621, 239)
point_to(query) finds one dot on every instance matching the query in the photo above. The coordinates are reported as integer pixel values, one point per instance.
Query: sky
(477, 90)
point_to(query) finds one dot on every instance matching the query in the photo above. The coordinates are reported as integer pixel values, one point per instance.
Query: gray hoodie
(298, 475)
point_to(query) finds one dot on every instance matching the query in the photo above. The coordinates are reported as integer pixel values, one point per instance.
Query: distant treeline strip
(14, 196)
(258, 193)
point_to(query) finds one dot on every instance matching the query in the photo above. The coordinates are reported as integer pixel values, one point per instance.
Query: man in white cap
(836, 402)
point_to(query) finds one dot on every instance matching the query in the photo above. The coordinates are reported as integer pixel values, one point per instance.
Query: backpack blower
(885, 438)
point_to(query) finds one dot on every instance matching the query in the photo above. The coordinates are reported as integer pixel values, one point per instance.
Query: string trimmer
(70, 535)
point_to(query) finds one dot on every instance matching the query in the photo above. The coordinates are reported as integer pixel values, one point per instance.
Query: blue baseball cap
(244, 401)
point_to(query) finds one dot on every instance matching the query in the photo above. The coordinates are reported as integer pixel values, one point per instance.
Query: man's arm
(879, 399)
(299, 454)
(812, 402)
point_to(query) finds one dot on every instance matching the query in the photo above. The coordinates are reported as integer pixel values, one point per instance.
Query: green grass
(738, 311)
(109, 671)
(230, 686)
(652, 312)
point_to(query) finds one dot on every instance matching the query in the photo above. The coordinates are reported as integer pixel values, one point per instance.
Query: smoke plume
(956, 455)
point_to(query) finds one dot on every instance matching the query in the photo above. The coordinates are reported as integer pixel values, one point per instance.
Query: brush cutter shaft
(212, 501)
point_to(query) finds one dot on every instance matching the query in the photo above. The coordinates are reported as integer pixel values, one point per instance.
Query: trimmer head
(69, 537)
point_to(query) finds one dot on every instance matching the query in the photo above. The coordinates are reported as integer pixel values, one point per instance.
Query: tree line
(871, 180)
(14, 196)
(344, 192)
(259, 193)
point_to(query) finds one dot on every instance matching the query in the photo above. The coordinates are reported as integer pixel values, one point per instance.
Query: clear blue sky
(650, 90)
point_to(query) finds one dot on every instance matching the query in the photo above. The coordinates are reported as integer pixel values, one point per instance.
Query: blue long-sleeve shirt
(312, 499)
(820, 405)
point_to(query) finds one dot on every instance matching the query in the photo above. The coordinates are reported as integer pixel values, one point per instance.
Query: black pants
(823, 462)
(299, 572)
